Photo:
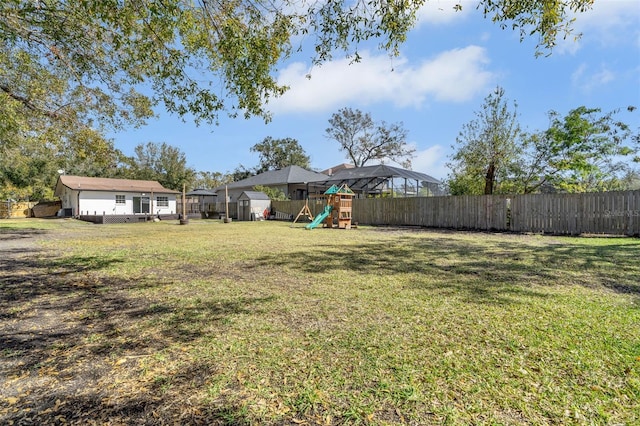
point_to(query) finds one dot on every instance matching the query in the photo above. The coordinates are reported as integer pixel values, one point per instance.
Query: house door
(141, 205)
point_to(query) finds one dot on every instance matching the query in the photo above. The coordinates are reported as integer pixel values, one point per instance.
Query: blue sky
(449, 64)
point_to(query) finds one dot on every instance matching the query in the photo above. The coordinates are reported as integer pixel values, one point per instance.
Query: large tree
(210, 180)
(487, 148)
(201, 57)
(364, 140)
(45, 127)
(277, 154)
(161, 162)
(240, 173)
(74, 67)
(35, 144)
(27, 171)
(635, 138)
(586, 150)
(30, 169)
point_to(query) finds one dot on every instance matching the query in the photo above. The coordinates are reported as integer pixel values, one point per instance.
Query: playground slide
(322, 216)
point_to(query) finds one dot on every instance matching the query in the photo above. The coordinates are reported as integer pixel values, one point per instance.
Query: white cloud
(452, 76)
(443, 12)
(587, 80)
(431, 161)
(607, 23)
(603, 76)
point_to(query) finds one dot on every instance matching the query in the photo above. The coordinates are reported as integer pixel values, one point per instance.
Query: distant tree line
(586, 150)
(30, 168)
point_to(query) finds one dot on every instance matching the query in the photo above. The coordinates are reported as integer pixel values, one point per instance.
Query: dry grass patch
(261, 323)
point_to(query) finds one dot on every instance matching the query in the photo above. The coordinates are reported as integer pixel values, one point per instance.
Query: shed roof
(84, 183)
(290, 174)
(253, 195)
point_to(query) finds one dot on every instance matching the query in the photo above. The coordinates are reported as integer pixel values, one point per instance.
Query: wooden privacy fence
(461, 212)
(12, 209)
(616, 213)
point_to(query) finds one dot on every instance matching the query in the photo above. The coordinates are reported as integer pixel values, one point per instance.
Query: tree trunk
(489, 179)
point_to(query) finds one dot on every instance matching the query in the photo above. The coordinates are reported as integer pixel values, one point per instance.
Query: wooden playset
(337, 210)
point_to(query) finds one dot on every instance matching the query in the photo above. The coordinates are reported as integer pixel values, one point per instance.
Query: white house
(105, 196)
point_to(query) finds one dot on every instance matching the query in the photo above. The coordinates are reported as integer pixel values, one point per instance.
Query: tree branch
(26, 102)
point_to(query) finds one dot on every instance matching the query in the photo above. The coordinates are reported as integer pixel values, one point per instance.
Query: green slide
(322, 216)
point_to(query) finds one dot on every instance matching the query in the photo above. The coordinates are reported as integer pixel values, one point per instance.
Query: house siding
(69, 200)
(87, 196)
(101, 202)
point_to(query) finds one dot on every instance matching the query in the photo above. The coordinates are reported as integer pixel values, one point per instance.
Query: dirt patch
(68, 351)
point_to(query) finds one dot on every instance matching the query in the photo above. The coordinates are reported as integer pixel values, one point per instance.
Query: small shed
(252, 205)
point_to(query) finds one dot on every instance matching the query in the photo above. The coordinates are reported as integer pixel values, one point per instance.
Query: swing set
(337, 209)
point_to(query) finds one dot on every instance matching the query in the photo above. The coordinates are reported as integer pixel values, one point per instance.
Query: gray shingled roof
(110, 184)
(291, 174)
(253, 195)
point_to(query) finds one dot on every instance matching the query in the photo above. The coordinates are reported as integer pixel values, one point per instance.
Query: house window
(120, 199)
(162, 201)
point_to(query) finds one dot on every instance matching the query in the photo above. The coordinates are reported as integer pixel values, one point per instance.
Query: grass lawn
(260, 323)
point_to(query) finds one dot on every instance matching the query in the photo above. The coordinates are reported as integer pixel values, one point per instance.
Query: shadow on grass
(482, 272)
(61, 408)
(63, 324)
(22, 266)
(15, 233)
